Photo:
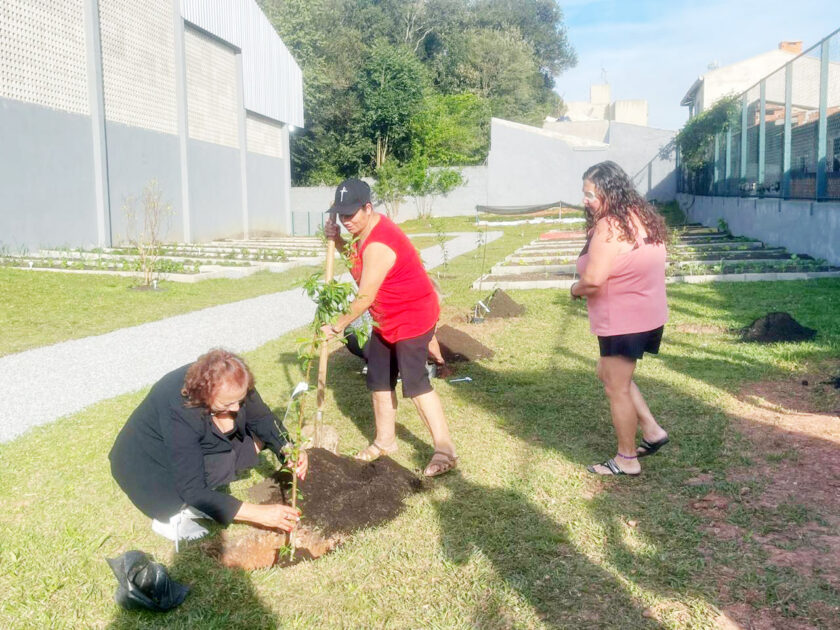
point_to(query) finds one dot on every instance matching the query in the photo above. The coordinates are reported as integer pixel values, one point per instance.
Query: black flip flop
(651, 447)
(612, 467)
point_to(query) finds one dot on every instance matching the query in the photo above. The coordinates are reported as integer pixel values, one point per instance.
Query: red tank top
(406, 304)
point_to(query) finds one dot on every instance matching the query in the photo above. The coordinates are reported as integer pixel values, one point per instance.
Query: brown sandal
(373, 451)
(444, 463)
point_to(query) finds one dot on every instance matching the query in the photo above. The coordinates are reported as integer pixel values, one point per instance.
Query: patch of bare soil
(501, 305)
(340, 495)
(557, 235)
(456, 345)
(793, 427)
(700, 329)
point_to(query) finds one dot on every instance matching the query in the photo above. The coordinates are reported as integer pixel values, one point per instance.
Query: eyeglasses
(590, 195)
(222, 407)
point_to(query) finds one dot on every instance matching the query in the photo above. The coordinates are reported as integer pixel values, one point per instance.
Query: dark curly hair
(209, 372)
(620, 200)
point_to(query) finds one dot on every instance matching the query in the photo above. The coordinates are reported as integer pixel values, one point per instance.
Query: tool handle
(324, 355)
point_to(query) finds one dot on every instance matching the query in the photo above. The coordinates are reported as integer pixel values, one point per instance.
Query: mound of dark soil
(456, 345)
(339, 496)
(775, 327)
(502, 305)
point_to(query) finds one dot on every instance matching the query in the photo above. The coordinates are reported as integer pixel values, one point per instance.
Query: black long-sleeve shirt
(158, 456)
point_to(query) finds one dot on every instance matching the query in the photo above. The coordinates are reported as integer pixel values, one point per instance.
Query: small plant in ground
(331, 299)
(440, 237)
(722, 225)
(147, 240)
(391, 186)
(425, 184)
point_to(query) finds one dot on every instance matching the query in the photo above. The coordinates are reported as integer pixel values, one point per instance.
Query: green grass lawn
(40, 307)
(520, 536)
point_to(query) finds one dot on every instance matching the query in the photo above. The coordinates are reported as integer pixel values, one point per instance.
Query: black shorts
(632, 345)
(406, 358)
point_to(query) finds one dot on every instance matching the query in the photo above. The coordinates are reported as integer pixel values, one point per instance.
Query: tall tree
(503, 54)
(390, 87)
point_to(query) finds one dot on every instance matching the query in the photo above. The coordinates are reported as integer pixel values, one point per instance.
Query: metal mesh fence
(805, 97)
(733, 183)
(774, 132)
(307, 223)
(753, 122)
(784, 140)
(832, 107)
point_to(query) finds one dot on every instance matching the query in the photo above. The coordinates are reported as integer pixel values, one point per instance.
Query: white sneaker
(192, 513)
(179, 528)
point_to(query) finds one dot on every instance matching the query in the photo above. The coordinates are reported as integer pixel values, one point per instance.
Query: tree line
(408, 84)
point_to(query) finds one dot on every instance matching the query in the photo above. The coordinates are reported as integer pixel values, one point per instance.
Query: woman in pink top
(622, 277)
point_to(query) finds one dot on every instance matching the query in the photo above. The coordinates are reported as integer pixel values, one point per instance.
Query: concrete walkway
(44, 384)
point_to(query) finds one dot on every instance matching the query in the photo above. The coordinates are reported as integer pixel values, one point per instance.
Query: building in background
(100, 97)
(736, 77)
(773, 172)
(601, 107)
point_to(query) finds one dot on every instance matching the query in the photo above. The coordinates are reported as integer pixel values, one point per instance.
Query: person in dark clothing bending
(196, 429)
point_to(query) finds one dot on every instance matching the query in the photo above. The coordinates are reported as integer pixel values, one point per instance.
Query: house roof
(764, 64)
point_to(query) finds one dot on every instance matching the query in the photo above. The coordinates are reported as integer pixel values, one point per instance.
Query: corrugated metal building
(99, 97)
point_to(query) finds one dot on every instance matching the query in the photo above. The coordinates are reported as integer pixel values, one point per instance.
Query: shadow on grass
(533, 554)
(219, 598)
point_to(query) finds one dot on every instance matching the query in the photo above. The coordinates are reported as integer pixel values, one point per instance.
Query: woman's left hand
(330, 330)
(302, 465)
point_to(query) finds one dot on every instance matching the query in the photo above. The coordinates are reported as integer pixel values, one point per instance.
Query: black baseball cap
(350, 195)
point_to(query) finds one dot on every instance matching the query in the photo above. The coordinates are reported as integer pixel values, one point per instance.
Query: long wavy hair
(620, 201)
(209, 372)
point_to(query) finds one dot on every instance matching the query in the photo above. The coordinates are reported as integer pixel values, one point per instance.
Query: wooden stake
(322, 362)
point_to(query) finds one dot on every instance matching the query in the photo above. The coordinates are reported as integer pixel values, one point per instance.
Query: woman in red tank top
(622, 275)
(394, 286)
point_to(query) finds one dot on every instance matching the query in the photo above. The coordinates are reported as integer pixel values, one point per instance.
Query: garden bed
(339, 497)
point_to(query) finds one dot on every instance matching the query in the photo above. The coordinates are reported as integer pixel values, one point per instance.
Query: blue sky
(655, 49)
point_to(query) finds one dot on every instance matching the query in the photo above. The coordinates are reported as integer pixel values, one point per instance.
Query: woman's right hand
(275, 515)
(281, 516)
(331, 229)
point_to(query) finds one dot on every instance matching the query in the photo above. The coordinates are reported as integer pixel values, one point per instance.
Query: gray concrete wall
(137, 156)
(648, 157)
(803, 227)
(530, 166)
(215, 191)
(314, 201)
(266, 198)
(46, 178)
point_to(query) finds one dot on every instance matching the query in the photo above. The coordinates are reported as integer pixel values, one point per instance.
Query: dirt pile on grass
(775, 327)
(456, 345)
(502, 305)
(339, 496)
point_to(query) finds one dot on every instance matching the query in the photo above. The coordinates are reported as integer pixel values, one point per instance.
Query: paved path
(44, 384)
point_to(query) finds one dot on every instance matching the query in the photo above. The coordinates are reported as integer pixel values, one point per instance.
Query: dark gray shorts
(406, 358)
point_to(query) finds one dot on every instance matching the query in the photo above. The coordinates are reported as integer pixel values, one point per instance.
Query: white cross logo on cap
(342, 191)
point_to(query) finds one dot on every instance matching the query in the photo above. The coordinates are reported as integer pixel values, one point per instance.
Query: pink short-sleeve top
(632, 300)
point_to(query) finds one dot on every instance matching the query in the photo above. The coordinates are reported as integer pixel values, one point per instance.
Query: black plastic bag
(145, 584)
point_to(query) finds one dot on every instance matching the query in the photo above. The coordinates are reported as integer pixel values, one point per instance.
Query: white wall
(531, 166)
